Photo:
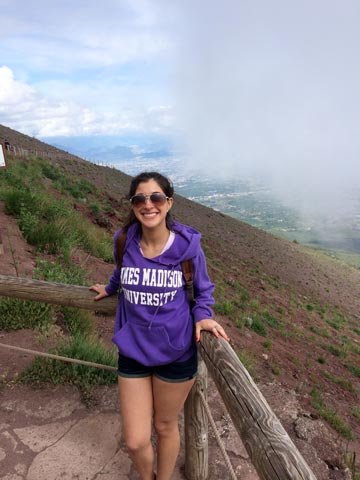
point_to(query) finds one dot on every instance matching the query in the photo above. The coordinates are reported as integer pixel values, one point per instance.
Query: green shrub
(60, 271)
(314, 307)
(17, 200)
(258, 327)
(224, 308)
(16, 314)
(50, 171)
(268, 345)
(28, 223)
(77, 321)
(275, 369)
(94, 207)
(271, 321)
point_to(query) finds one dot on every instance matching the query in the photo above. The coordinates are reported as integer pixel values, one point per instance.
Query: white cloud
(67, 36)
(25, 109)
(87, 67)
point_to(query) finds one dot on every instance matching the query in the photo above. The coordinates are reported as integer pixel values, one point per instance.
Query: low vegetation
(267, 313)
(76, 338)
(331, 415)
(46, 217)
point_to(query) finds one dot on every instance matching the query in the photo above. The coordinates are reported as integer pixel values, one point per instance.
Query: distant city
(251, 199)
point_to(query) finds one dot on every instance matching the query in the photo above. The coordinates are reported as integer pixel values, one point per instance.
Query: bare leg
(169, 399)
(136, 406)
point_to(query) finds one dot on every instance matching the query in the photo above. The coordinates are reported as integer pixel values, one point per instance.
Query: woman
(154, 329)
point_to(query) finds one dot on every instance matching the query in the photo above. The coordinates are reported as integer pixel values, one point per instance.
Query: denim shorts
(171, 372)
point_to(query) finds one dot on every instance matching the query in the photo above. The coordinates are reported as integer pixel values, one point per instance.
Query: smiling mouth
(153, 214)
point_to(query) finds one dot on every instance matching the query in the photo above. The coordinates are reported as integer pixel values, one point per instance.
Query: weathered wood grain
(196, 429)
(271, 450)
(55, 293)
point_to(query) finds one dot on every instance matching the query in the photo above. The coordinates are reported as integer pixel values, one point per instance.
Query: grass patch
(224, 308)
(337, 322)
(350, 462)
(354, 369)
(356, 412)
(338, 352)
(271, 320)
(275, 369)
(258, 326)
(268, 345)
(60, 271)
(78, 322)
(322, 332)
(51, 225)
(244, 295)
(249, 361)
(16, 314)
(342, 382)
(58, 372)
(331, 416)
(315, 307)
(353, 348)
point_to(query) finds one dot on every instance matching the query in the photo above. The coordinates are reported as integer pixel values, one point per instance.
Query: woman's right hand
(100, 289)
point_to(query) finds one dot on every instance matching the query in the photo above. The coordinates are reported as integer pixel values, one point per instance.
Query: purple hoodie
(154, 324)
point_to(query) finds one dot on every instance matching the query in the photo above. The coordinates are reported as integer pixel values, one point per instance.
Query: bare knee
(136, 444)
(165, 428)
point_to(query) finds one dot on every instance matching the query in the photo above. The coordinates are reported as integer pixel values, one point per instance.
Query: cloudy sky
(252, 85)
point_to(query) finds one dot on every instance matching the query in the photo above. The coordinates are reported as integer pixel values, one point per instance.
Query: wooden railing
(272, 452)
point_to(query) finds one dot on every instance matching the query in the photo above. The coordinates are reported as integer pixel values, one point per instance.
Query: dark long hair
(167, 187)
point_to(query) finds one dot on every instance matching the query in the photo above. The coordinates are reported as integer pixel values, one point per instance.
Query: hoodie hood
(186, 247)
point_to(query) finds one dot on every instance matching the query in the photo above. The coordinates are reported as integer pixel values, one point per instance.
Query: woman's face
(151, 214)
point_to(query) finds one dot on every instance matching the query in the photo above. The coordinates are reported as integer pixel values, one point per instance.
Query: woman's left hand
(211, 326)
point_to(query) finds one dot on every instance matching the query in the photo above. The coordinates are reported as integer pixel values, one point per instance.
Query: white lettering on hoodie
(146, 298)
(152, 277)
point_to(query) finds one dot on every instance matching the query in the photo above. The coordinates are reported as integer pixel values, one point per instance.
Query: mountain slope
(291, 311)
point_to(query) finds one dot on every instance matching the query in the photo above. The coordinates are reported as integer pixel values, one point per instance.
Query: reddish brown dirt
(280, 276)
(287, 388)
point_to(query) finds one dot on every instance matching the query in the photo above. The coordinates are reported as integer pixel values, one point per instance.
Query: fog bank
(271, 88)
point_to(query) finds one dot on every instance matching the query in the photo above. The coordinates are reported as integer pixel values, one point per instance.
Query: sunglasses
(155, 198)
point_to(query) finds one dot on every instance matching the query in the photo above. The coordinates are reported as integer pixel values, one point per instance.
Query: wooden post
(196, 429)
(271, 450)
(56, 293)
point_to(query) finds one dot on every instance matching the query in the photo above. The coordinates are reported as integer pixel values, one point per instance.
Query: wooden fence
(270, 449)
(53, 154)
